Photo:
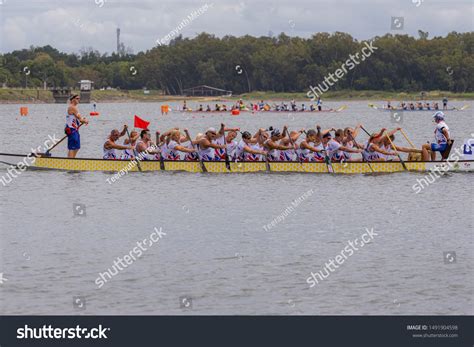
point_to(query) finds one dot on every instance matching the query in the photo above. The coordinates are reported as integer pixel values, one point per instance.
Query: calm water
(216, 258)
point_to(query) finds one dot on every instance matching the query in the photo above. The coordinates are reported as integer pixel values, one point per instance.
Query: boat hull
(56, 163)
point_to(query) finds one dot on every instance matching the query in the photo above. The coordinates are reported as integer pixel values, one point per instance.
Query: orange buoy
(235, 112)
(24, 111)
(94, 113)
(165, 109)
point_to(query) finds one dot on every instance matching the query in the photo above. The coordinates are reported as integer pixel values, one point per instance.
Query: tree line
(242, 64)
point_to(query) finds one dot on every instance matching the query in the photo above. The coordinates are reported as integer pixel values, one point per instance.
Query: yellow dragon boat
(87, 164)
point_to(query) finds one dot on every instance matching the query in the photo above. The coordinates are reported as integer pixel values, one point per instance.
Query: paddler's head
(211, 133)
(114, 135)
(348, 132)
(231, 135)
(145, 135)
(438, 117)
(276, 135)
(175, 135)
(311, 135)
(339, 135)
(327, 137)
(386, 140)
(74, 99)
(246, 136)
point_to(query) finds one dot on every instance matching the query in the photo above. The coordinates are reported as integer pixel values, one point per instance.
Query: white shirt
(333, 148)
(439, 135)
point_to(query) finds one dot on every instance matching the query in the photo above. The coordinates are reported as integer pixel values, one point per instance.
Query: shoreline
(35, 96)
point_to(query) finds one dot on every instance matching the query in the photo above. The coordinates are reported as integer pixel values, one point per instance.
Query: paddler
(375, 149)
(132, 141)
(441, 135)
(228, 140)
(73, 121)
(206, 145)
(319, 103)
(245, 150)
(310, 148)
(272, 146)
(110, 145)
(335, 148)
(145, 148)
(386, 144)
(174, 146)
(445, 103)
(289, 153)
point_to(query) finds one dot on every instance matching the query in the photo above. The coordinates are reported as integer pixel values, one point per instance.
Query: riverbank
(28, 96)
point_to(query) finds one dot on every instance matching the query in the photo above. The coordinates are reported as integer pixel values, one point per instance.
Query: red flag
(140, 123)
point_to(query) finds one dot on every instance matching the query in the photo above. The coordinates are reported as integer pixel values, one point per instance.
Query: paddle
(162, 160)
(227, 162)
(267, 163)
(342, 108)
(396, 152)
(406, 138)
(373, 106)
(47, 154)
(134, 151)
(363, 157)
(203, 167)
(365, 131)
(327, 160)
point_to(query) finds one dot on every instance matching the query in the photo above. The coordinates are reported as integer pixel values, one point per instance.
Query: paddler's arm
(109, 145)
(356, 130)
(407, 150)
(380, 150)
(349, 150)
(380, 134)
(297, 135)
(124, 130)
(166, 134)
(184, 149)
(232, 129)
(446, 134)
(221, 131)
(73, 110)
(390, 133)
(253, 151)
(305, 145)
(205, 143)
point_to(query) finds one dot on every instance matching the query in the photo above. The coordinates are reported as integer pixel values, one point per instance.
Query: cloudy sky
(69, 25)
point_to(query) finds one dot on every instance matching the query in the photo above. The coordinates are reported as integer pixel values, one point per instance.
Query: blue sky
(70, 25)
